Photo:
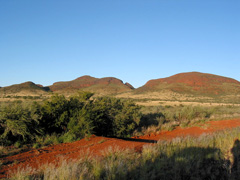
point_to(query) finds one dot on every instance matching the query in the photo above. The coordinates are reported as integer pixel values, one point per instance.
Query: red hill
(108, 85)
(194, 82)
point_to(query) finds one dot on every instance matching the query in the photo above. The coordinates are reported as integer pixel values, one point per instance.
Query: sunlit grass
(205, 157)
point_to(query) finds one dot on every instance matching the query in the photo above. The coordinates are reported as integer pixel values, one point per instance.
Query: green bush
(67, 137)
(114, 117)
(104, 116)
(55, 114)
(18, 144)
(80, 124)
(36, 145)
(58, 111)
(61, 119)
(18, 124)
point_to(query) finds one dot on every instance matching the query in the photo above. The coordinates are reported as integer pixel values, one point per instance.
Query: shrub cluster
(68, 118)
(169, 117)
(61, 119)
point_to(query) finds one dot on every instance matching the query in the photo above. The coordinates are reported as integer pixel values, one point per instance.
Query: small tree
(114, 117)
(80, 124)
(55, 114)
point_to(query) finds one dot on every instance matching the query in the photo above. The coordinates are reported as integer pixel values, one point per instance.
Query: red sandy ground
(96, 145)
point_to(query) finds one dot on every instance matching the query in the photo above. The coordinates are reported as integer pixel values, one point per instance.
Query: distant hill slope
(27, 88)
(108, 85)
(183, 86)
(194, 83)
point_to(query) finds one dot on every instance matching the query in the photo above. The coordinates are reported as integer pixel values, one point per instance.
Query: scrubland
(29, 123)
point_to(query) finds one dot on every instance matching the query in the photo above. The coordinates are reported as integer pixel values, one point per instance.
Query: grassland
(214, 156)
(166, 97)
(206, 157)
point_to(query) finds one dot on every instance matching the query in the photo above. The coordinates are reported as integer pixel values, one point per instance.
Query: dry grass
(177, 103)
(205, 157)
(168, 95)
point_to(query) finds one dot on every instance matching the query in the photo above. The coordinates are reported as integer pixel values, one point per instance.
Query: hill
(104, 86)
(26, 88)
(190, 86)
(195, 83)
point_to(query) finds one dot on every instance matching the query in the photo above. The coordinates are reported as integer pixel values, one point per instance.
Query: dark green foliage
(114, 117)
(102, 117)
(55, 114)
(126, 119)
(18, 123)
(155, 119)
(61, 119)
(58, 111)
(80, 124)
(105, 116)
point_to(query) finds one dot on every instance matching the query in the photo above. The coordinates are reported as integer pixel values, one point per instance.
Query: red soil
(97, 145)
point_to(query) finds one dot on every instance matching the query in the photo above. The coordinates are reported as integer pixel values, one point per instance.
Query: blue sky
(134, 40)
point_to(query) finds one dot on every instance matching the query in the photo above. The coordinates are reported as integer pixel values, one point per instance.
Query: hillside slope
(105, 86)
(194, 83)
(26, 88)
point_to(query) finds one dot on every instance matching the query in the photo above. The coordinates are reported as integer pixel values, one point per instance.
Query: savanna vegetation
(214, 156)
(158, 118)
(65, 119)
(60, 119)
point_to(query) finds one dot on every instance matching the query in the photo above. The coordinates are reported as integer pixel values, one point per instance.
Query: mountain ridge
(195, 83)
(110, 85)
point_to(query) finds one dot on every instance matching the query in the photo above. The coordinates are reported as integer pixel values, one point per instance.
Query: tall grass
(206, 157)
(168, 117)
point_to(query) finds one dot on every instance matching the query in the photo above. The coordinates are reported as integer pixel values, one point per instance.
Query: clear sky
(134, 40)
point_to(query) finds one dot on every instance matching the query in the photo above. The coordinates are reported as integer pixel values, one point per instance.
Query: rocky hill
(108, 85)
(177, 87)
(194, 83)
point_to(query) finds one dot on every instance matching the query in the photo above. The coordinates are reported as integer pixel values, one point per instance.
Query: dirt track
(96, 145)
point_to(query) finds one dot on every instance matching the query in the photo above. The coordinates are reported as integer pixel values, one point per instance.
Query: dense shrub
(68, 118)
(80, 124)
(18, 124)
(105, 116)
(55, 114)
(119, 116)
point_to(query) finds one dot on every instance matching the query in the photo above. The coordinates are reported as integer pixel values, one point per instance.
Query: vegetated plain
(33, 117)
